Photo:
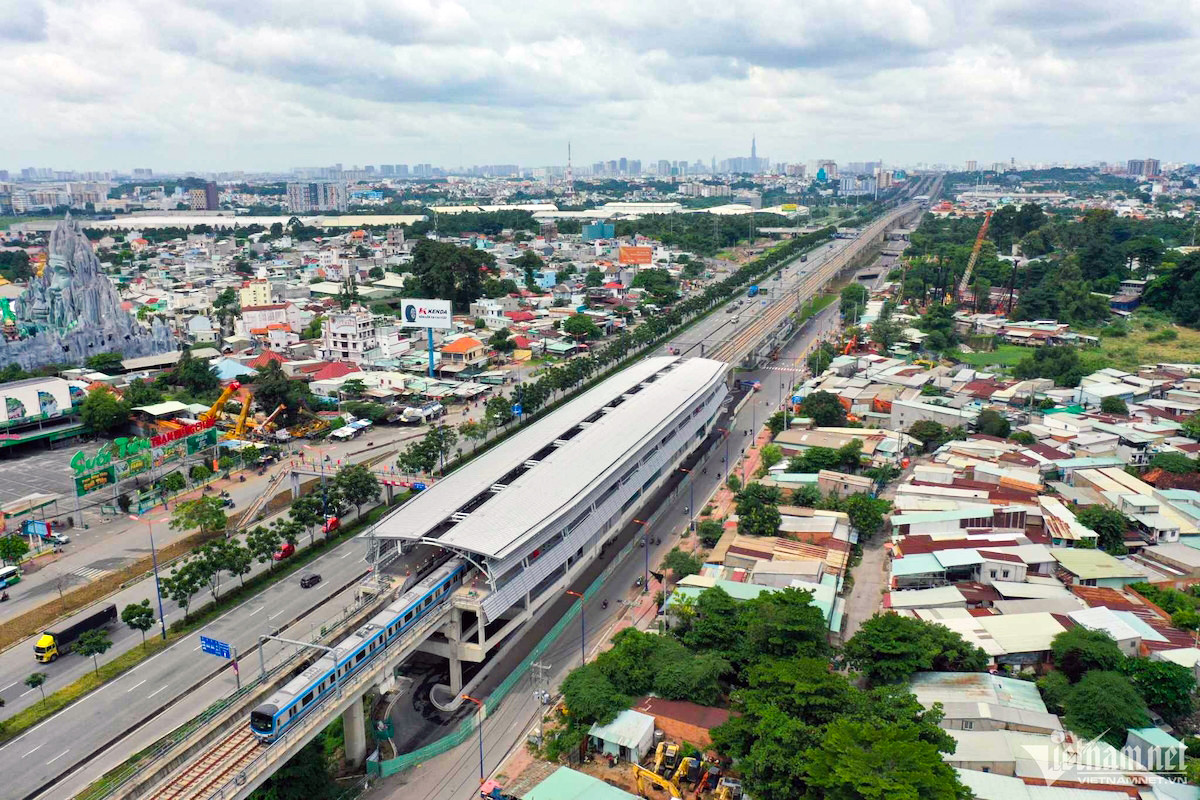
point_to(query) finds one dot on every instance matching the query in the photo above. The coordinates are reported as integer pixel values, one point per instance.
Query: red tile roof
(519, 316)
(705, 717)
(273, 307)
(266, 357)
(992, 555)
(335, 369)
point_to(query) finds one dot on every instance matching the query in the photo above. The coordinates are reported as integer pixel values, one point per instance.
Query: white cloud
(271, 84)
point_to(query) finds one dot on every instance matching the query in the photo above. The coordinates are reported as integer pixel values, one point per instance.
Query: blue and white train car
(287, 705)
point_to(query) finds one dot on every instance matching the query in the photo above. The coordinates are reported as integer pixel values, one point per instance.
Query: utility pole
(541, 677)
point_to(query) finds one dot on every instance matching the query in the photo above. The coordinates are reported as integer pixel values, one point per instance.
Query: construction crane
(266, 425)
(239, 427)
(215, 411)
(966, 278)
(643, 776)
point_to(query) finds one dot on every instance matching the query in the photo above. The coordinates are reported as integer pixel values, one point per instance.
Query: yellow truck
(54, 643)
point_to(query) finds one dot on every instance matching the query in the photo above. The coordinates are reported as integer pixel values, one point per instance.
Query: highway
(59, 744)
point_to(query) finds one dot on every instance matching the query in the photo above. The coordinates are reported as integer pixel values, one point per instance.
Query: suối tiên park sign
(126, 457)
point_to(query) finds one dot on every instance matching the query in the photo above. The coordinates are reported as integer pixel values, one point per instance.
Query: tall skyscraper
(1135, 166)
(754, 148)
(971, 165)
(1151, 168)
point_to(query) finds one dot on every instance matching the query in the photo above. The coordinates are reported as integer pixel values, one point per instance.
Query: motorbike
(604, 604)
(241, 478)
(3, 597)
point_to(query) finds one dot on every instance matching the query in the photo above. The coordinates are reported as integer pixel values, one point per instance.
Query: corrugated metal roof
(628, 729)
(567, 784)
(552, 488)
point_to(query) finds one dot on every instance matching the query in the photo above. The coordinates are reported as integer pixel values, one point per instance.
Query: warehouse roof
(1088, 564)
(556, 480)
(567, 784)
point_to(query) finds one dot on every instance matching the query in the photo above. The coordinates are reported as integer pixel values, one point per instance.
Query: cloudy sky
(273, 84)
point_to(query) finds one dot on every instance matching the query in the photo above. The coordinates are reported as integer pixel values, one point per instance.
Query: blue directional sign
(215, 648)
(797, 399)
(417, 486)
(517, 409)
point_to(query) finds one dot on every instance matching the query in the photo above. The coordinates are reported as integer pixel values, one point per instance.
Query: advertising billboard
(426, 313)
(636, 255)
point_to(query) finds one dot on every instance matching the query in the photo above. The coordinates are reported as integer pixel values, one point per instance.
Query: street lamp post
(582, 627)
(162, 620)
(480, 704)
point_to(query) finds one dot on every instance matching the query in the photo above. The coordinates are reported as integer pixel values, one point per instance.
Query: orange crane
(966, 278)
(265, 425)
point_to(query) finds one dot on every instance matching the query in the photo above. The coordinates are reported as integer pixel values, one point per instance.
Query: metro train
(299, 695)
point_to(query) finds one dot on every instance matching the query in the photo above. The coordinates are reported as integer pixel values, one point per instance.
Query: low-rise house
(981, 701)
(1094, 568)
(629, 737)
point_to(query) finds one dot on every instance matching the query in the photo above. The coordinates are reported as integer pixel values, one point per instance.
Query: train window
(361, 655)
(408, 616)
(428, 600)
(306, 699)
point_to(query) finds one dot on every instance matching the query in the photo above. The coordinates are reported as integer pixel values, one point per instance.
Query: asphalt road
(455, 775)
(55, 746)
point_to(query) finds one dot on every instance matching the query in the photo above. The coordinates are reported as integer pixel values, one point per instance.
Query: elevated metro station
(531, 513)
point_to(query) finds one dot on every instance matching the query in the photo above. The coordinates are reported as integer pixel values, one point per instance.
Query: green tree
(806, 495)
(1105, 704)
(37, 680)
(1166, 687)
(814, 459)
(1114, 405)
(757, 510)
(140, 393)
(776, 422)
(272, 388)
(12, 548)
(581, 327)
(193, 375)
(886, 332)
(358, 485)
(1109, 524)
(853, 300)
(866, 513)
(1054, 687)
(849, 455)
(498, 411)
(772, 454)
(993, 423)
(500, 341)
(824, 409)
(819, 359)
(590, 696)
(262, 543)
(94, 643)
(182, 584)
(1191, 426)
(931, 435)
(108, 363)
(205, 513)
(1176, 463)
(1058, 363)
(305, 776)
(889, 648)
(139, 617)
(1078, 651)
(353, 387)
(864, 759)
(238, 561)
(307, 511)
(709, 531)
(682, 563)
(102, 412)
(593, 278)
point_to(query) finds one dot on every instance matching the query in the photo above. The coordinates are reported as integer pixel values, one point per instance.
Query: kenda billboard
(426, 313)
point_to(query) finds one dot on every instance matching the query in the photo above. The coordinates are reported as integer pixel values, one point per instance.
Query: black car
(309, 580)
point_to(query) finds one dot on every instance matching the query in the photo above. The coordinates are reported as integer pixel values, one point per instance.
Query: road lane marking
(34, 750)
(343, 555)
(276, 614)
(255, 611)
(6, 688)
(197, 647)
(57, 757)
(131, 688)
(26, 693)
(155, 692)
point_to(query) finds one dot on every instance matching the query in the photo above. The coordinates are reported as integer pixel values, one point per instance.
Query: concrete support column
(482, 632)
(354, 725)
(455, 673)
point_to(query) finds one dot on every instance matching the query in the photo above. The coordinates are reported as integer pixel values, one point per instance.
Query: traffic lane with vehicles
(119, 541)
(17, 662)
(56, 745)
(455, 775)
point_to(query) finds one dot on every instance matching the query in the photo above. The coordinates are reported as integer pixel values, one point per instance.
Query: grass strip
(25, 719)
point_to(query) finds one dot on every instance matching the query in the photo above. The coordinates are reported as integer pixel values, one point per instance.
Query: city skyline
(272, 86)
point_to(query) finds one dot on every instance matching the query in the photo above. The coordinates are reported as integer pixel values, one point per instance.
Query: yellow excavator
(728, 789)
(645, 777)
(666, 758)
(688, 770)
